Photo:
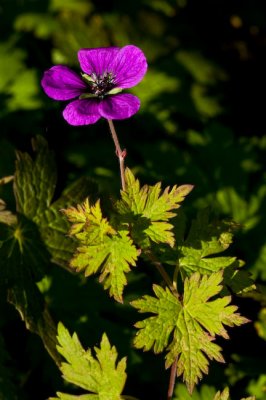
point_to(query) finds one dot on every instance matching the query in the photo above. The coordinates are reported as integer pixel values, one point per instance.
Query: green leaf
(34, 186)
(203, 393)
(65, 396)
(100, 375)
(42, 25)
(256, 387)
(148, 209)
(237, 279)
(205, 240)
(101, 248)
(35, 180)
(260, 325)
(193, 322)
(244, 210)
(224, 395)
(53, 225)
(19, 84)
(74, 6)
(22, 263)
(31, 238)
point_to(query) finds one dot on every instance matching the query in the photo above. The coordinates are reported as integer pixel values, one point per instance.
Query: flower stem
(172, 380)
(121, 154)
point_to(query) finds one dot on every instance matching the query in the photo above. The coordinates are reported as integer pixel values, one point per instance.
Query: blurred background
(202, 121)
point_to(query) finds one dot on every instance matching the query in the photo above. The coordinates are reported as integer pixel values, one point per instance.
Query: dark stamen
(101, 84)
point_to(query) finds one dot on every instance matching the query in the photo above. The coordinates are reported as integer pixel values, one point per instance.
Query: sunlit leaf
(101, 375)
(203, 393)
(101, 248)
(148, 209)
(194, 322)
(224, 395)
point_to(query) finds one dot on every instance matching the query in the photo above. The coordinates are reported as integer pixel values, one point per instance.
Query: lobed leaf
(22, 263)
(238, 280)
(204, 392)
(101, 375)
(199, 251)
(54, 227)
(148, 209)
(35, 180)
(224, 395)
(101, 248)
(30, 238)
(34, 186)
(190, 324)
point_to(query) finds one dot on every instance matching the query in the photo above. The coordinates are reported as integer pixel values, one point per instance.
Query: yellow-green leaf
(101, 375)
(148, 209)
(191, 324)
(101, 248)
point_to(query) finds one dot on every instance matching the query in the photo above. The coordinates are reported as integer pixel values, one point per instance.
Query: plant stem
(121, 154)
(172, 380)
(162, 272)
(176, 271)
(173, 288)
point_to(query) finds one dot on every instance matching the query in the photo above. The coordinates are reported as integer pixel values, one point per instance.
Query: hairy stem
(162, 272)
(121, 154)
(172, 380)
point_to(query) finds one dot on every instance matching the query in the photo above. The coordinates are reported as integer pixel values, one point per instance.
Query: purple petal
(97, 60)
(129, 66)
(61, 83)
(119, 106)
(82, 112)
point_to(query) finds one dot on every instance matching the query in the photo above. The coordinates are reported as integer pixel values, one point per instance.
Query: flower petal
(82, 112)
(119, 106)
(61, 83)
(129, 66)
(96, 60)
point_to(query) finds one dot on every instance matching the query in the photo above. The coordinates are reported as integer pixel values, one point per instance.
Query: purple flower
(106, 71)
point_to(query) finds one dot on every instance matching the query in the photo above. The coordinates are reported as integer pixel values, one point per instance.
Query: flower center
(99, 85)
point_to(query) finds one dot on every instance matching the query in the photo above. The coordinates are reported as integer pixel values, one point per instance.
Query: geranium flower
(106, 71)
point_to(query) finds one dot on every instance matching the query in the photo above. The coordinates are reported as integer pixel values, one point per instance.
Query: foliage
(34, 235)
(103, 248)
(99, 375)
(143, 214)
(111, 247)
(205, 393)
(224, 395)
(185, 320)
